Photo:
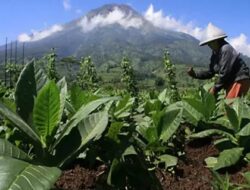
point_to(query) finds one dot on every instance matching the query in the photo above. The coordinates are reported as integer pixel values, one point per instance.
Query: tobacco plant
(128, 78)
(47, 142)
(234, 129)
(171, 78)
(87, 76)
(51, 65)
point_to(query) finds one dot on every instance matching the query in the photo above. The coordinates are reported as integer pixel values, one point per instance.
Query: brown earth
(190, 174)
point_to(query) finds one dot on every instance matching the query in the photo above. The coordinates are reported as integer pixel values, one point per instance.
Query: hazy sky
(19, 18)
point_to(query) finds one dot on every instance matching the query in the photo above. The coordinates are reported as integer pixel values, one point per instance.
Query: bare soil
(190, 173)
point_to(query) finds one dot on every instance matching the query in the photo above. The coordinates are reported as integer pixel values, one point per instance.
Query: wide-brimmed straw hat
(212, 33)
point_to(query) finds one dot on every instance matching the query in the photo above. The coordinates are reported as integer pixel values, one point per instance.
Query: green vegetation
(47, 122)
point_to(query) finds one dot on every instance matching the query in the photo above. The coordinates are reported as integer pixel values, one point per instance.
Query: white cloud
(66, 5)
(241, 44)
(116, 16)
(36, 35)
(158, 19)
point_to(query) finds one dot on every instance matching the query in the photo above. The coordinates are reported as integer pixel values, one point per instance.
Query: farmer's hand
(212, 91)
(191, 72)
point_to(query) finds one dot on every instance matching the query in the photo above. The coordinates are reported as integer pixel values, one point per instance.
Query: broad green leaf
(247, 177)
(129, 151)
(10, 150)
(82, 113)
(9, 103)
(246, 111)
(153, 106)
(25, 92)
(211, 161)
(239, 107)
(170, 124)
(196, 104)
(124, 106)
(209, 132)
(62, 86)
(151, 134)
(247, 157)
(19, 123)
(158, 119)
(168, 160)
(245, 131)
(228, 157)
(46, 110)
(223, 121)
(79, 97)
(16, 174)
(209, 104)
(90, 129)
(69, 107)
(191, 114)
(114, 131)
(163, 97)
(93, 126)
(40, 77)
(224, 143)
(232, 117)
(143, 125)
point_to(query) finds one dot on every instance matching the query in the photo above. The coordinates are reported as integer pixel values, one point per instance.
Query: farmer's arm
(207, 74)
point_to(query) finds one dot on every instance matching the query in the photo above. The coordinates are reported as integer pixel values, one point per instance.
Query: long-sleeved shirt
(229, 66)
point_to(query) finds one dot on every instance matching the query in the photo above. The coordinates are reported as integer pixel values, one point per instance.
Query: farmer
(233, 73)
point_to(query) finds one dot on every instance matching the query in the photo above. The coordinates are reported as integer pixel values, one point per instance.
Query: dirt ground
(190, 174)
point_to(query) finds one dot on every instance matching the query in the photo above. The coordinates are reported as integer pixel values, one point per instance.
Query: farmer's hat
(212, 33)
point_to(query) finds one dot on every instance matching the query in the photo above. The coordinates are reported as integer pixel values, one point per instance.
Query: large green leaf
(232, 117)
(40, 77)
(151, 134)
(247, 177)
(196, 104)
(79, 97)
(228, 157)
(199, 107)
(208, 102)
(114, 131)
(62, 85)
(223, 121)
(16, 174)
(245, 131)
(168, 160)
(10, 150)
(82, 113)
(25, 92)
(209, 132)
(143, 125)
(191, 114)
(170, 124)
(91, 128)
(124, 106)
(152, 106)
(46, 110)
(240, 107)
(19, 123)
(163, 97)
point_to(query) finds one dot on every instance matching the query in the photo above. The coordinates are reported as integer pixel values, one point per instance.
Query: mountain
(112, 31)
